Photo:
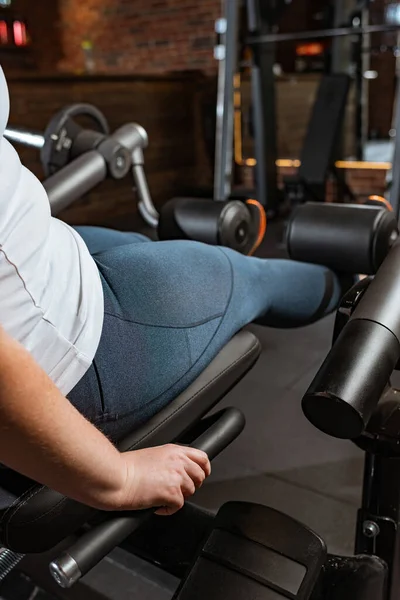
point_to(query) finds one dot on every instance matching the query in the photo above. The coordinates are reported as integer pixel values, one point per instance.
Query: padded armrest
(34, 518)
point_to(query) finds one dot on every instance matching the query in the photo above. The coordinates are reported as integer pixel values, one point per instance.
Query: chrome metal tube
(75, 180)
(32, 139)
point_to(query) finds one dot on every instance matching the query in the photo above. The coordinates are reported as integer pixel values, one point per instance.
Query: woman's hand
(162, 477)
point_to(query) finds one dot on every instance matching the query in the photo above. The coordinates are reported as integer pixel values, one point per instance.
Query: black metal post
(395, 187)
(358, 94)
(226, 54)
(264, 110)
(378, 524)
(340, 52)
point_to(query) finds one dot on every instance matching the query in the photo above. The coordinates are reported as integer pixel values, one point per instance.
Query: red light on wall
(19, 33)
(3, 33)
(312, 49)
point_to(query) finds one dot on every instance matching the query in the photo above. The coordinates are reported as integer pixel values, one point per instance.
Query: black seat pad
(34, 518)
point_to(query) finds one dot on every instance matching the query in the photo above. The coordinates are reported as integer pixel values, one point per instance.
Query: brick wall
(139, 36)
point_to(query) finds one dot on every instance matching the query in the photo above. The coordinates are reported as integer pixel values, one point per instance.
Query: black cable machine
(261, 17)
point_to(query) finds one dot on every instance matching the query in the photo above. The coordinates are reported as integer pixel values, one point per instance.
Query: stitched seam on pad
(197, 324)
(232, 365)
(42, 515)
(14, 503)
(34, 492)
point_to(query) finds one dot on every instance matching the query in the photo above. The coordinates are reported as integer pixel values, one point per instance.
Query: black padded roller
(217, 223)
(349, 238)
(347, 388)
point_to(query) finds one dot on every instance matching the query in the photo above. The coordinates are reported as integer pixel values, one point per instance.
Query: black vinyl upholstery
(34, 518)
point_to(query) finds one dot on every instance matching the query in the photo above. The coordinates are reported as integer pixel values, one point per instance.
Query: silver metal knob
(65, 571)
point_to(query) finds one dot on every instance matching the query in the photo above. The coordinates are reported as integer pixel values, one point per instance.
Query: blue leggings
(171, 306)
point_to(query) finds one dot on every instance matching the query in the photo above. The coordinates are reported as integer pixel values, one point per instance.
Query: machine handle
(130, 135)
(145, 205)
(134, 137)
(31, 139)
(76, 179)
(96, 543)
(89, 169)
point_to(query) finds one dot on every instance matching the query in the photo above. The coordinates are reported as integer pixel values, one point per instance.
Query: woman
(120, 326)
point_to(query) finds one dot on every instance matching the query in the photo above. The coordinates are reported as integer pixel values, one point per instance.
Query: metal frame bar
(271, 38)
(361, 85)
(31, 139)
(358, 91)
(340, 51)
(227, 28)
(395, 186)
(365, 65)
(264, 109)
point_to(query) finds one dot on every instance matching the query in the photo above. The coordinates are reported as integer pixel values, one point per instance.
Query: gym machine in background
(252, 24)
(75, 159)
(259, 16)
(99, 156)
(322, 146)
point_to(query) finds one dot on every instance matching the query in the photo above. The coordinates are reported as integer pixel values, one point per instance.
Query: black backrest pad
(324, 128)
(34, 518)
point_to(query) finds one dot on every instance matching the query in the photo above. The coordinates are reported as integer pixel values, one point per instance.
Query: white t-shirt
(51, 296)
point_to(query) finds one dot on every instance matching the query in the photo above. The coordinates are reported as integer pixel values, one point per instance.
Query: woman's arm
(44, 437)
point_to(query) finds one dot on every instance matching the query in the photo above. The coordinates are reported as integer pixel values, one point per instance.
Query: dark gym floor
(279, 460)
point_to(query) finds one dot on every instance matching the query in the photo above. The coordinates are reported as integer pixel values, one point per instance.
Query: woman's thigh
(170, 307)
(163, 313)
(164, 306)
